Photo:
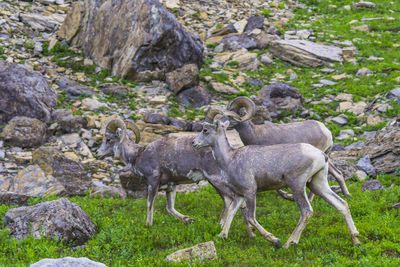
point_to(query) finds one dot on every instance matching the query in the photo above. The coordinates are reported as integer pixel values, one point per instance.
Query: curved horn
(113, 124)
(212, 112)
(132, 126)
(242, 102)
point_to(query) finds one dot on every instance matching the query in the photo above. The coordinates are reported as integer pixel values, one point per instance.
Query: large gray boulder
(24, 93)
(135, 39)
(306, 53)
(58, 218)
(67, 262)
(24, 132)
(70, 177)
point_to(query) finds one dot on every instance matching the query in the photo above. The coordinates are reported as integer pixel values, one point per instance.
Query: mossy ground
(123, 239)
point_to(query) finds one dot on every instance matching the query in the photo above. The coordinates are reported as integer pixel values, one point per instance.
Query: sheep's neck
(222, 151)
(246, 132)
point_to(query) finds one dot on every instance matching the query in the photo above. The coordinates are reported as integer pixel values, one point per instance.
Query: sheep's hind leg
(339, 178)
(171, 195)
(249, 228)
(251, 212)
(319, 185)
(306, 211)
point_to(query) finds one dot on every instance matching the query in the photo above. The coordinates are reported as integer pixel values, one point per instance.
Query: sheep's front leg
(232, 209)
(171, 195)
(152, 190)
(251, 217)
(227, 204)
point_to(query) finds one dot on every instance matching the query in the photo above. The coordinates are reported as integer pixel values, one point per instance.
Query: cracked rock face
(59, 218)
(138, 40)
(24, 93)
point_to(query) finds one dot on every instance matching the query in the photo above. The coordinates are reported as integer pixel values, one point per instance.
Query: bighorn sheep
(310, 132)
(165, 162)
(255, 168)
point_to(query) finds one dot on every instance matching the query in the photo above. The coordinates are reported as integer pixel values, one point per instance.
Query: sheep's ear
(225, 124)
(220, 124)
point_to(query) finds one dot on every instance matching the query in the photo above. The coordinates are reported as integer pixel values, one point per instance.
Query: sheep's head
(210, 133)
(114, 132)
(238, 110)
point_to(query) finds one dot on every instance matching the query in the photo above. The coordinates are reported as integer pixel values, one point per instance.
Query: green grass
(123, 239)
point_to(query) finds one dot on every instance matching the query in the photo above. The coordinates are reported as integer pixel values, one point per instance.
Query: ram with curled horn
(164, 163)
(310, 132)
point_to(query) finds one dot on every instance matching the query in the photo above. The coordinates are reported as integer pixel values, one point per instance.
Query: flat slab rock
(202, 252)
(301, 52)
(59, 218)
(67, 262)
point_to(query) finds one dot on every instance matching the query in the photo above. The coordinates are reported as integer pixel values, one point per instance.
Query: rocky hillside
(66, 66)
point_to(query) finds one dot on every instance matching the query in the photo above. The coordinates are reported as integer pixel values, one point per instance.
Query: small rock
(366, 165)
(224, 88)
(171, 4)
(327, 82)
(371, 185)
(92, 104)
(364, 72)
(254, 22)
(339, 77)
(328, 70)
(361, 175)
(373, 120)
(394, 94)
(182, 78)
(266, 60)
(202, 252)
(156, 118)
(67, 262)
(363, 28)
(195, 97)
(363, 4)
(240, 25)
(344, 97)
(358, 144)
(339, 120)
(303, 34)
(160, 99)
(337, 147)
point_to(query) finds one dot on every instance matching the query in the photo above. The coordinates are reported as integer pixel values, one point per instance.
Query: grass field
(123, 239)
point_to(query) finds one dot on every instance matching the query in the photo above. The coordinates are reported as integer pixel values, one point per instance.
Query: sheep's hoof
(289, 243)
(277, 243)
(356, 241)
(251, 234)
(223, 235)
(188, 220)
